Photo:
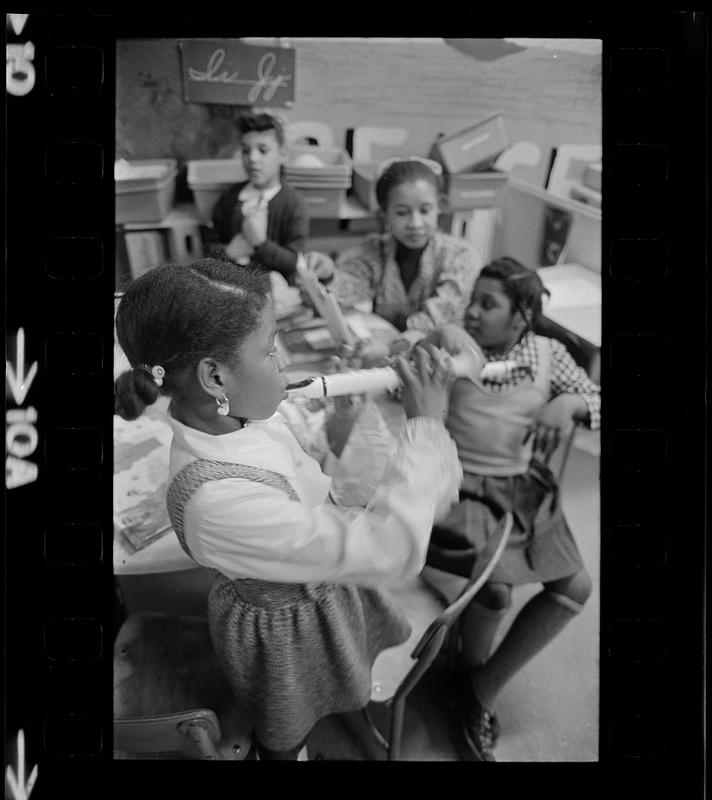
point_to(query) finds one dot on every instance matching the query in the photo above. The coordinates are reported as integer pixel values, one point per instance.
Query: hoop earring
(223, 405)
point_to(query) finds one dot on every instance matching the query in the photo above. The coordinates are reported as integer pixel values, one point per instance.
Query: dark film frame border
(60, 274)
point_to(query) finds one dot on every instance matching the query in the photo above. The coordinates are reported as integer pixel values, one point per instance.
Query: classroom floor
(549, 710)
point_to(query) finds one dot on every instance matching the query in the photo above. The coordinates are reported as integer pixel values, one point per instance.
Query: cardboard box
(208, 178)
(473, 148)
(474, 189)
(144, 189)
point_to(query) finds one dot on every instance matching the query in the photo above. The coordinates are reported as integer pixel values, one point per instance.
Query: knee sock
(478, 627)
(539, 621)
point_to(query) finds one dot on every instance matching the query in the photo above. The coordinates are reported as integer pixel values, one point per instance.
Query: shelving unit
(519, 234)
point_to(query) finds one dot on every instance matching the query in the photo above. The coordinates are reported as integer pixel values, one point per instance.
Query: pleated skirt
(294, 653)
(541, 546)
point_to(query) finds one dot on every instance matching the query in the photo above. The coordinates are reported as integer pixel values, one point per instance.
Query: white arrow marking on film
(19, 382)
(18, 22)
(20, 789)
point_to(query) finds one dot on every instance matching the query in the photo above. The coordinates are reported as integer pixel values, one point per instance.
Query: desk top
(575, 301)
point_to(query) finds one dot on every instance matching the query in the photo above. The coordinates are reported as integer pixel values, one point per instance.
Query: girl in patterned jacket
(298, 612)
(413, 275)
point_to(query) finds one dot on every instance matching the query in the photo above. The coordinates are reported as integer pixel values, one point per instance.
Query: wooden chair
(554, 433)
(188, 734)
(170, 694)
(398, 670)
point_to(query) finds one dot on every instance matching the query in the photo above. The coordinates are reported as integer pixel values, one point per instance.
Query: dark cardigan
(287, 227)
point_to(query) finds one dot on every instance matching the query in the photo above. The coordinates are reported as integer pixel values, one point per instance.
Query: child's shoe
(479, 725)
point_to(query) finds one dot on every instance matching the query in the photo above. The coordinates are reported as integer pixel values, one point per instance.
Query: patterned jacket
(440, 292)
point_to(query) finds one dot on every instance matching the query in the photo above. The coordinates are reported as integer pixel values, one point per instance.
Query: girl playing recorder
(298, 612)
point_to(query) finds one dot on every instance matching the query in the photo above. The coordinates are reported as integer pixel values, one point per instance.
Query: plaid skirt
(294, 653)
(541, 547)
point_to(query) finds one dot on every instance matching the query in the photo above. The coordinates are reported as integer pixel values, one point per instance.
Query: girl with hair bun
(299, 611)
(413, 275)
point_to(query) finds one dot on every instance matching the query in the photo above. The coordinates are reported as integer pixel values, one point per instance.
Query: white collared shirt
(250, 192)
(247, 529)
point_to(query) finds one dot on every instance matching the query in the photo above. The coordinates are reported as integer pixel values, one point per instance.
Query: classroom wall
(549, 97)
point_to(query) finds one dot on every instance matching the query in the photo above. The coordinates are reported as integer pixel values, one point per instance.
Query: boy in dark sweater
(262, 221)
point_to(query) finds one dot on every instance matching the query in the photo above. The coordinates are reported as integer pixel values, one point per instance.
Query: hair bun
(388, 162)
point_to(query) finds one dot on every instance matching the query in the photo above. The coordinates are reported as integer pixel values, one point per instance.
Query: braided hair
(177, 314)
(522, 285)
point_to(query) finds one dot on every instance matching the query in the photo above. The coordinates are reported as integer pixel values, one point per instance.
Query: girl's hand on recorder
(426, 382)
(455, 339)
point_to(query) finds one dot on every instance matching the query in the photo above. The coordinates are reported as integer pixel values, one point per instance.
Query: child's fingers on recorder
(422, 362)
(421, 396)
(442, 370)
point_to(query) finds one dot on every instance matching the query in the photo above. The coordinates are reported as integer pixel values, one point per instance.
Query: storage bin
(336, 164)
(208, 178)
(364, 183)
(474, 189)
(144, 189)
(475, 147)
(321, 201)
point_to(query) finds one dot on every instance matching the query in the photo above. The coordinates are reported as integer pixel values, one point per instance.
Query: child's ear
(207, 373)
(527, 317)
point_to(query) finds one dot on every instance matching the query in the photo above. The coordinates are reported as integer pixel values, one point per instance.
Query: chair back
(187, 734)
(554, 433)
(170, 687)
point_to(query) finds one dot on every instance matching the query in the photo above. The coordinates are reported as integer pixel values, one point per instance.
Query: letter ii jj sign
(233, 73)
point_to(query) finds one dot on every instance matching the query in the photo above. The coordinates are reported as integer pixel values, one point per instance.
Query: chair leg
(198, 734)
(397, 714)
(453, 643)
(374, 729)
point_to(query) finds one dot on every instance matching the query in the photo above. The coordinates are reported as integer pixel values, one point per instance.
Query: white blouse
(247, 529)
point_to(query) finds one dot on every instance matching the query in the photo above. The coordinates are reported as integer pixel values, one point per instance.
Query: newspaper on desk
(141, 461)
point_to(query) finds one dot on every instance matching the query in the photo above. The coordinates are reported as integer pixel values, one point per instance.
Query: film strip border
(59, 398)
(653, 544)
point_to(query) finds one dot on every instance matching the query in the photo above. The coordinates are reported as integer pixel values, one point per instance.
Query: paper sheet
(571, 292)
